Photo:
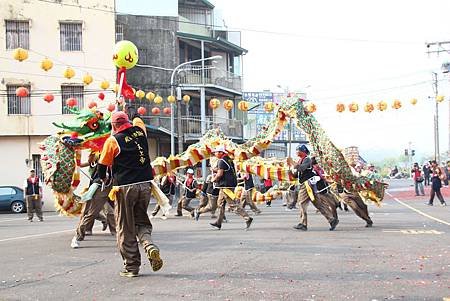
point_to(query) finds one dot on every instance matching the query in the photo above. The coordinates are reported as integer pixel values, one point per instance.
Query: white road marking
(41, 235)
(36, 235)
(26, 218)
(411, 231)
(418, 211)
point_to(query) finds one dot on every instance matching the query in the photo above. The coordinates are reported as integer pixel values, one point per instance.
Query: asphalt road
(405, 256)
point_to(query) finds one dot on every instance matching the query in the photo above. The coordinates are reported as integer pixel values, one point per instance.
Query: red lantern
(167, 111)
(142, 111)
(71, 102)
(49, 97)
(22, 92)
(92, 104)
(156, 111)
(101, 95)
(111, 107)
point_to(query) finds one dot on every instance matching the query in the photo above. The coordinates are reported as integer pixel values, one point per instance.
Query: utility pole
(436, 119)
(437, 48)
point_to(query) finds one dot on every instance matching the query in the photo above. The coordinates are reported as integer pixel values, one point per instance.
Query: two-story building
(165, 42)
(76, 34)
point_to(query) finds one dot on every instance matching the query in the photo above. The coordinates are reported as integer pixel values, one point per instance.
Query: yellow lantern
(69, 73)
(20, 54)
(382, 106)
(87, 79)
(104, 85)
(340, 107)
(369, 108)
(228, 104)
(186, 99)
(440, 98)
(269, 106)
(158, 99)
(310, 107)
(171, 99)
(243, 105)
(46, 64)
(140, 94)
(214, 103)
(413, 101)
(397, 104)
(150, 96)
(353, 107)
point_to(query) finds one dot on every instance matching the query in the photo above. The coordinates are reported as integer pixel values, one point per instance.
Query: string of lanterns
(46, 64)
(21, 54)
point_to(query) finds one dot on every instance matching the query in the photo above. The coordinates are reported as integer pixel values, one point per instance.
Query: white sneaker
(75, 244)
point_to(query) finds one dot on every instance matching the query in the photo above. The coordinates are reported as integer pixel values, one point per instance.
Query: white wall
(98, 39)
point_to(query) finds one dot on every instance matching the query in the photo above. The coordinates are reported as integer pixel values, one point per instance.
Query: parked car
(11, 198)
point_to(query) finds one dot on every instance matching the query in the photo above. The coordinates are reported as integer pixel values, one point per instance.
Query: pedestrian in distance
(418, 179)
(437, 176)
(33, 196)
(426, 174)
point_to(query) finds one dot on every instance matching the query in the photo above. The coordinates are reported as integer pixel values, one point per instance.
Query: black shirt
(132, 164)
(228, 179)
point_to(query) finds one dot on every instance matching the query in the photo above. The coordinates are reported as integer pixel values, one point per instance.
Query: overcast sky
(351, 50)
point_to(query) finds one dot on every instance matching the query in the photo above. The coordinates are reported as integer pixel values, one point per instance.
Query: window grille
(71, 36)
(37, 166)
(72, 91)
(119, 32)
(17, 34)
(18, 105)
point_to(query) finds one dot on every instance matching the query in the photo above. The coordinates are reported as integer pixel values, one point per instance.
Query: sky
(351, 51)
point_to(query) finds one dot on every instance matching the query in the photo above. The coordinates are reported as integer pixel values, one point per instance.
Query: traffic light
(406, 152)
(413, 152)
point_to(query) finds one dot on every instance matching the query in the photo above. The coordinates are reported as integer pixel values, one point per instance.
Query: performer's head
(219, 151)
(302, 151)
(32, 173)
(118, 119)
(190, 173)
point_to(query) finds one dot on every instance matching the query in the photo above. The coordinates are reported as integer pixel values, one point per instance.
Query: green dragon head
(88, 130)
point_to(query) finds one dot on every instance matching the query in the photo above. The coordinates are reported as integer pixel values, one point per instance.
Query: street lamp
(172, 87)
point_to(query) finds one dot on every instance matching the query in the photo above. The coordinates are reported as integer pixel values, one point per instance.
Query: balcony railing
(195, 75)
(192, 126)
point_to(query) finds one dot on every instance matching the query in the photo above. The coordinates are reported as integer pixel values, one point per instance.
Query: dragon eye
(93, 126)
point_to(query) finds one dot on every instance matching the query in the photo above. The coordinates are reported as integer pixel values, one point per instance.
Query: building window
(17, 34)
(71, 36)
(37, 166)
(72, 91)
(119, 32)
(142, 56)
(18, 105)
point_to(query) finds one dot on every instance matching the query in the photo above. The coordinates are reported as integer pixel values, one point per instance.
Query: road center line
(418, 211)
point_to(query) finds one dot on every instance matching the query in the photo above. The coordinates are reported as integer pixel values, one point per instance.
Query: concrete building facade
(77, 34)
(165, 42)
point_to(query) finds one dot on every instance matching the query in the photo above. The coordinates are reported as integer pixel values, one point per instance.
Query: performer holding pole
(190, 191)
(127, 152)
(303, 171)
(226, 180)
